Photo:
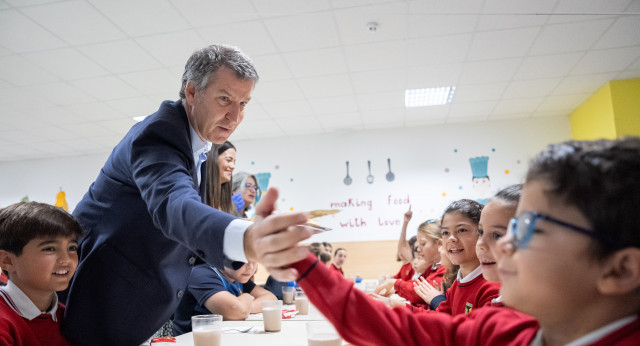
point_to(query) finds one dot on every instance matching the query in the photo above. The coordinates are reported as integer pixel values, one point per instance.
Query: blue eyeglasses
(523, 226)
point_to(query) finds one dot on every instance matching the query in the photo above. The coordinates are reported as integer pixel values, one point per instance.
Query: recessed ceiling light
(428, 97)
(138, 119)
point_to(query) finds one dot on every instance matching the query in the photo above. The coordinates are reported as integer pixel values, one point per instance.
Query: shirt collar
(23, 306)
(591, 337)
(197, 144)
(474, 274)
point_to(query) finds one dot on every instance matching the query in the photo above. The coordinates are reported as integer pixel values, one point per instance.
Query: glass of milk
(272, 315)
(322, 333)
(207, 330)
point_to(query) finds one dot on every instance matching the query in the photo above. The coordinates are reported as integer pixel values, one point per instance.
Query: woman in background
(219, 176)
(245, 190)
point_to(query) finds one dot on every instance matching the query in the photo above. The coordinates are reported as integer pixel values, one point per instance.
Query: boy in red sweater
(571, 260)
(38, 251)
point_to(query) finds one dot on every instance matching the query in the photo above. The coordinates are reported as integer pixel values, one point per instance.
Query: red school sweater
(336, 269)
(463, 298)
(405, 273)
(362, 320)
(42, 330)
(405, 288)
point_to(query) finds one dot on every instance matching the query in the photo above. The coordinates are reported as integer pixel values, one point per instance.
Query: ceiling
(73, 74)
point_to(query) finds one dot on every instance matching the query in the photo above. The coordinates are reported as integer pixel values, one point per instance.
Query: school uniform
(22, 323)
(468, 293)
(405, 273)
(336, 269)
(344, 305)
(405, 288)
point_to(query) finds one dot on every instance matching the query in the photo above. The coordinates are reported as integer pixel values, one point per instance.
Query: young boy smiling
(38, 250)
(570, 260)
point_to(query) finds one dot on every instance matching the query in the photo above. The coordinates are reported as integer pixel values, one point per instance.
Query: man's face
(216, 111)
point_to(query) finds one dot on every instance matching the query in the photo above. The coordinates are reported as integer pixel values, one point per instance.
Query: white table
(293, 332)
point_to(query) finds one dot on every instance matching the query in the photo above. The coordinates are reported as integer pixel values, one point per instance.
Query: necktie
(202, 176)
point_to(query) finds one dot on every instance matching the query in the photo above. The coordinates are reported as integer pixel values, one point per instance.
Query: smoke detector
(372, 26)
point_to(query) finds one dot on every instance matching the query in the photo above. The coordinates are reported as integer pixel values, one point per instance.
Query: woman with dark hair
(219, 175)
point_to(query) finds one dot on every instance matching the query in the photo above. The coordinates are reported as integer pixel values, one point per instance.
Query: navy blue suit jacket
(144, 221)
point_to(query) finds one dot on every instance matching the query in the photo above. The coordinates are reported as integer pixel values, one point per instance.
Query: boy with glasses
(569, 264)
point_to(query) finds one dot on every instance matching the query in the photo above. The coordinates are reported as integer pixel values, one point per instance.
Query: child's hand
(425, 290)
(408, 215)
(386, 289)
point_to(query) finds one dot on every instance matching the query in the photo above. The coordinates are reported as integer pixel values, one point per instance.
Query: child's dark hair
(469, 208)
(24, 221)
(602, 179)
(338, 249)
(510, 194)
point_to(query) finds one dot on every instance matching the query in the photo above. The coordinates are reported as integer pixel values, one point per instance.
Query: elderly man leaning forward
(144, 219)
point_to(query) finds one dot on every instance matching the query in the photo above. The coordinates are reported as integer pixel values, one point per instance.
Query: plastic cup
(288, 294)
(322, 333)
(272, 315)
(302, 303)
(207, 330)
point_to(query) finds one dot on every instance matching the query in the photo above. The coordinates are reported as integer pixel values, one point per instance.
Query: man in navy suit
(144, 220)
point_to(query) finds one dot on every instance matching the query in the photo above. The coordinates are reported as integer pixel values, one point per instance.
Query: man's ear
(190, 93)
(621, 273)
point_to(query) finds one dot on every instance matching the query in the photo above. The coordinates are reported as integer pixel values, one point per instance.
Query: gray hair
(205, 62)
(239, 179)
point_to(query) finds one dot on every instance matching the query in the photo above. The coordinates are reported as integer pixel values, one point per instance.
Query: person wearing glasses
(569, 264)
(245, 191)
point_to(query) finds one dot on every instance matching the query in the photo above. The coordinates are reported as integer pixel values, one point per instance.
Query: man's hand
(273, 239)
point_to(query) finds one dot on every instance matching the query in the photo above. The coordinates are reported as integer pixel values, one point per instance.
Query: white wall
(430, 164)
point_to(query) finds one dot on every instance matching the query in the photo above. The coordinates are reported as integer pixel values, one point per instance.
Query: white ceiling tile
(134, 107)
(51, 133)
(121, 56)
(316, 62)
(471, 109)
(433, 76)
(426, 114)
(270, 8)
(608, 60)
(277, 91)
(518, 6)
(108, 142)
(64, 18)
(89, 130)
(582, 83)
(389, 100)
(293, 126)
(562, 103)
(60, 93)
(624, 32)
(53, 148)
(391, 22)
(500, 22)
(55, 115)
(3, 5)
(14, 27)
(16, 119)
(549, 66)
(18, 71)
(530, 88)
(479, 92)
(115, 126)
(83, 145)
(489, 71)
(516, 106)
(287, 109)
(445, 7)
(436, 50)
(509, 116)
(152, 81)
(201, 13)
(379, 81)
(66, 63)
(134, 17)
(173, 48)
(385, 116)
(4, 85)
(502, 44)
(375, 56)
(340, 121)
(466, 120)
(572, 37)
(19, 98)
(424, 25)
(94, 111)
(629, 74)
(251, 37)
(301, 32)
(271, 67)
(538, 114)
(329, 105)
(260, 128)
(106, 88)
(26, 3)
(590, 6)
(326, 86)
